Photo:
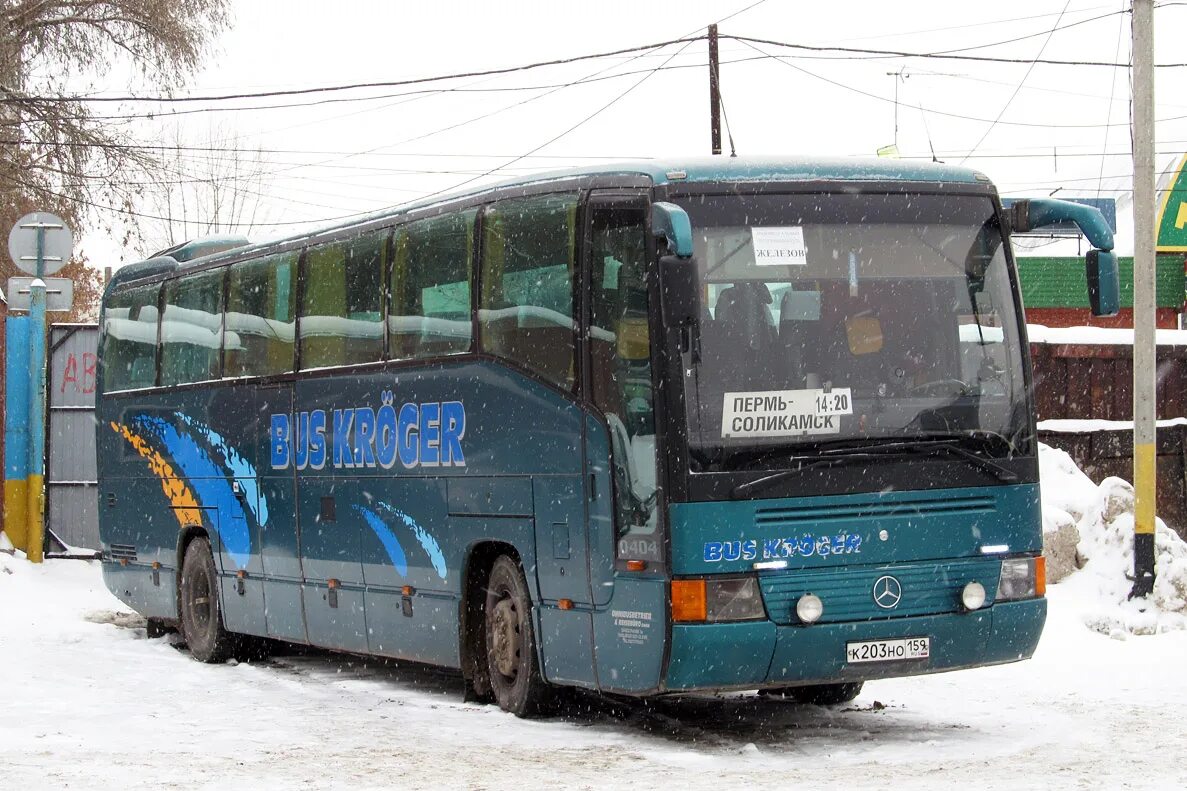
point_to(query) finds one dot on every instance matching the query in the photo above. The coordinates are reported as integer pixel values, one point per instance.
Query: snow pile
(1090, 527)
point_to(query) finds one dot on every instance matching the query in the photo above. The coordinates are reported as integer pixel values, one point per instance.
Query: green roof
(1062, 283)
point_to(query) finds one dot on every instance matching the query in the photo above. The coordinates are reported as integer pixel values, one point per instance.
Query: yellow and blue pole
(35, 493)
(16, 429)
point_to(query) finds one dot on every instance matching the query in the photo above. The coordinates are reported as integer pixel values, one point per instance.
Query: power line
(935, 55)
(784, 60)
(350, 86)
(1021, 82)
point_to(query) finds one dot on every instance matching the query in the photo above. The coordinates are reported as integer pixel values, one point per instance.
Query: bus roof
(669, 171)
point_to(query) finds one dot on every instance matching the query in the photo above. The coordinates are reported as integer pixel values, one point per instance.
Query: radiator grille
(927, 589)
(819, 516)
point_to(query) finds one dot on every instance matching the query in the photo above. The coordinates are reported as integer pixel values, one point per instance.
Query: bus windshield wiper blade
(949, 445)
(770, 480)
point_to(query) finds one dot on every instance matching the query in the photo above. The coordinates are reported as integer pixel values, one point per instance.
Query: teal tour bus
(643, 429)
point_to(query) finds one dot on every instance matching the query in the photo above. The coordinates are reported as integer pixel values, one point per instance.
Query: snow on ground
(87, 701)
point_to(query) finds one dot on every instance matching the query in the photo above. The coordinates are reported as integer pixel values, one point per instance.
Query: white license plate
(888, 650)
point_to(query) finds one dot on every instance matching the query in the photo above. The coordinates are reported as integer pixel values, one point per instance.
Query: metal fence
(71, 479)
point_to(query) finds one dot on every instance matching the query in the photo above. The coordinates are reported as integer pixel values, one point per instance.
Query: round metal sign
(57, 244)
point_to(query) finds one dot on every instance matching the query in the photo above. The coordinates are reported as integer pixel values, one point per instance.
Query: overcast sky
(389, 145)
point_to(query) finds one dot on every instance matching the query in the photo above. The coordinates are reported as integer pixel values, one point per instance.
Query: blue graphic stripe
(387, 538)
(209, 483)
(241, 468)
(430, 545)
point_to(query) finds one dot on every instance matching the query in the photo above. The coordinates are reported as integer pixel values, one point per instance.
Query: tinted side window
(342, 308)
(129, 344)
(526, 308)
(261, 305)
(430, 312)
(191, 328)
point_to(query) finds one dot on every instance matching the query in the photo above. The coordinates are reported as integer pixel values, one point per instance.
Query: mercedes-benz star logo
(887, 592)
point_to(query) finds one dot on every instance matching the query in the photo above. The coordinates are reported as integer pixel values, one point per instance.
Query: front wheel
(201, 615)
(821, 694)
(511, 659)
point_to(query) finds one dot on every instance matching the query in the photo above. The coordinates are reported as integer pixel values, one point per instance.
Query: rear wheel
(513, 669)
(201, 616)
(821, 694)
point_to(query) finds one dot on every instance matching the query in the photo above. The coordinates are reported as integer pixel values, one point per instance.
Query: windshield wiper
(767, 481)
(932, 447)
(835, 457)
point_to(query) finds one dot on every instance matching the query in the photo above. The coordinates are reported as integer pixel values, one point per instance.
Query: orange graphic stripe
(185, 505)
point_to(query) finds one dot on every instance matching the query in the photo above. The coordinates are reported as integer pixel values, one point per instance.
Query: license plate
(888, 650)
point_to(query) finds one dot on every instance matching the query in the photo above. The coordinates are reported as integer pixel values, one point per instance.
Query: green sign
(1172, 215)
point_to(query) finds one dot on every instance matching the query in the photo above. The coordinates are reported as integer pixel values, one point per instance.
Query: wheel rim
(505, 638)
(200, 602)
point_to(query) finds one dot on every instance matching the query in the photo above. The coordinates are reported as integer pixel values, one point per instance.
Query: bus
(642, 429)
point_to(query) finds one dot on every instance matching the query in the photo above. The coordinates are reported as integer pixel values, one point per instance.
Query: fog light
(973, 596)
(809, 608)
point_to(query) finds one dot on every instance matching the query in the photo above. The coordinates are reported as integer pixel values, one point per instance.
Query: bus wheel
(510, 643)
(820, 694)
(201, 618)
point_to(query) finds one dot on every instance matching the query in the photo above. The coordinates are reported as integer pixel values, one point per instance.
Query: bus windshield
(836, 319)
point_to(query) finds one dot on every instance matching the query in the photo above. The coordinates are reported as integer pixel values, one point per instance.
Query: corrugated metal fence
(71, 478)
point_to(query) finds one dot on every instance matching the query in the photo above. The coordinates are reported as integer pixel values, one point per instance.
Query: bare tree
(57, 152)
(217, 192)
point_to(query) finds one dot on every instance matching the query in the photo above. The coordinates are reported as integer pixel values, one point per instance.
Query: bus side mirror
(670, 223)
(680, 291)
(1104, 287)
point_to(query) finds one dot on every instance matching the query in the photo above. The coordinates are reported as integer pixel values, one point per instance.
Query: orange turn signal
(1040, 576)
(636, 565)
(332, 584)
(565, 604)
(688, 601)
(407, 590)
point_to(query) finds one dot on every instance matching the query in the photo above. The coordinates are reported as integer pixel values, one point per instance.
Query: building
(1055, 293)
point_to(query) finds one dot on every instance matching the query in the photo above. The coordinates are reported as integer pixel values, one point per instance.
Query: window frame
(580, 252)
(388, 231)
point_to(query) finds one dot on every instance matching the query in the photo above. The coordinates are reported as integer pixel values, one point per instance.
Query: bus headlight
(973, 596)
(809, 608)
(1022, 578)
(717, 600)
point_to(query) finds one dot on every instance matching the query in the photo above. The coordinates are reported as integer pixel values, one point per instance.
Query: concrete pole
(1145, 361)
(34, 511)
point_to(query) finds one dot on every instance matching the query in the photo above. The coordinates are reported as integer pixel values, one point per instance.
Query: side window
(620, 370)
(526, 308)
(430, 287)
(342, 308)
(129, 345)
(261, 305)
(191, 327)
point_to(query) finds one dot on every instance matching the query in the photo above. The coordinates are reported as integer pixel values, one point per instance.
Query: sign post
(39, 244)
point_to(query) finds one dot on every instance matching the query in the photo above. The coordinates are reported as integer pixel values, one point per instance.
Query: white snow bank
(1101, 520)
(1119, 336)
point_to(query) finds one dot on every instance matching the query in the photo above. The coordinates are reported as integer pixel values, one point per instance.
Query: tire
(512, 665)
(201, 613)
(821, 694)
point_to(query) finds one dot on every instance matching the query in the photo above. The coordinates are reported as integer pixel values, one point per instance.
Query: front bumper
(757, 654)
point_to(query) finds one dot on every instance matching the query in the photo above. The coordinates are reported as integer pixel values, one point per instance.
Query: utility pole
(1145, 361)
(714, 91)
